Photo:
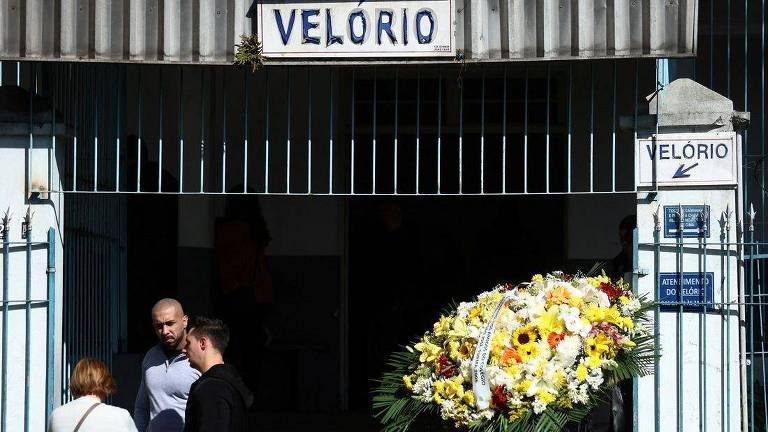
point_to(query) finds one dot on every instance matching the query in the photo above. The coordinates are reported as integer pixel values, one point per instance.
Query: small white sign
(358, 28)
(687, 160)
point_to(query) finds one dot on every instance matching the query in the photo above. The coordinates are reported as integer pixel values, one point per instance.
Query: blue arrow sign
(682, 172)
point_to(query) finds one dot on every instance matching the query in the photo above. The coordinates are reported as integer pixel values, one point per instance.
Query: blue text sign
(694, 222)
(689, 288)
(694, 159)
(359, 29)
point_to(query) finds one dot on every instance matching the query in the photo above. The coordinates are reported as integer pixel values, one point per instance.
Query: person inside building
(219, 400)
(90, 385)
(166, 375)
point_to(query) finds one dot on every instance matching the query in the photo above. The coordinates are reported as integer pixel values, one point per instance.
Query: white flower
(571, 316)
(630, 308)
(498, 377)
(508, 321)
(465, 370)
(423, 387)
(567, 351)
(539, 406)
(594, 295)
(595, 378)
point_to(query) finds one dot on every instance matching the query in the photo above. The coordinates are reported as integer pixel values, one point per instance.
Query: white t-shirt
(103, 418)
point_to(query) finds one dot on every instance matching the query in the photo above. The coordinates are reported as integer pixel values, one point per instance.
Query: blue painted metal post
(51, 341)
(4, 366)
(27, 228)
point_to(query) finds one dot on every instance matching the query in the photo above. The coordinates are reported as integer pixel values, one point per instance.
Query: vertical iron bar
(352, 139)
(397, 107)
(51, 315)
(224, 136)
(31, 147)
(751, 343)
(547, 149)
(330, 131)
(525, 135)
(118, 94)
(418, 124)
(141, 134)
(636, 103)
(373, 156)
(95, 129)
(439, 124)
(570, 122)
(703, 326)
(6, 289)
(656, 318)
(76, 129)
(728, 51)
(202, 130)
(613, 133)
(181, 129)
(160, 140)
(461, 133)
(680, 316)
(28, 322)
(246, 100)
(288, 134)
(592, 127)
(504, 134)
(266, 131)
(309, 132)
(482, 135)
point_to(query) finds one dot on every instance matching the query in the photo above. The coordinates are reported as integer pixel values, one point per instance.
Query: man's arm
(141, 406)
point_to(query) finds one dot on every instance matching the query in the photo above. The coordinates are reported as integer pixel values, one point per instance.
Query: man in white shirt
(166, 375)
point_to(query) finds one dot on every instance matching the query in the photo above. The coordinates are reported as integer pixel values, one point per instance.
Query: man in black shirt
(218, 401)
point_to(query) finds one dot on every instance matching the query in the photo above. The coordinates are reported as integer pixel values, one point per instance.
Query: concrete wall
(48, 213)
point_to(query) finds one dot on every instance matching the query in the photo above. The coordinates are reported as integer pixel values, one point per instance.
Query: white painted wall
(47, 214)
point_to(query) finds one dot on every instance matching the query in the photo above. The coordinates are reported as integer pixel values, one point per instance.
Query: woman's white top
(103, 418)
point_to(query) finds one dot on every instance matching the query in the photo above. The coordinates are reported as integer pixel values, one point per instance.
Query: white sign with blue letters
(360, 28)
(687, 160)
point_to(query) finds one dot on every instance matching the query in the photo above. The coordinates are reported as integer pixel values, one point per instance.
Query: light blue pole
(6, 288)
(51, 341)
(28, 321)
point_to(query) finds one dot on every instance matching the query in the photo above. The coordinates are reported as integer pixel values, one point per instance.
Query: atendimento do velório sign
(357, 29)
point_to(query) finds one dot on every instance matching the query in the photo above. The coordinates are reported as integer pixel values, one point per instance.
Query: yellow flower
(523, 336)
(597, 347)
(545, 396)
(550, 323)
(523, 385)
(581, 372)
(453, 350)
(559, 379)
(613, 316)
(469, 398)
(442, 326)
(558, 295)
(624, 300)
(528, 352)
(499, 343)
(429, 351)
(407, 382)
(513, 370)
(537, 278)
(437, 387)
(628, 343)
(594, 313)
(459, 328)
(453, 389)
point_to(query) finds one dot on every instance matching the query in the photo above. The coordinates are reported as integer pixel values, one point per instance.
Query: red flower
(445, 367)
(499, 398)
(612, 291)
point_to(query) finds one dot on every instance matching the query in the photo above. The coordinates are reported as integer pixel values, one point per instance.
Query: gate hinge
(640, 272)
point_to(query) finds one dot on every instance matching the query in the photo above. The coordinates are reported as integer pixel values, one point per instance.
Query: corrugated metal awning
(205, 31)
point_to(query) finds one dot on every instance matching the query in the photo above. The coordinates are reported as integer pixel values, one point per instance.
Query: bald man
(166, 375)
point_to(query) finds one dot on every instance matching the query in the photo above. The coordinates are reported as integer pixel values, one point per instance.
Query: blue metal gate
(22, 297)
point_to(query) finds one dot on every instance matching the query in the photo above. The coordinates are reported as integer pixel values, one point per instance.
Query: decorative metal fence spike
(26, 224)
(5, 223)
(656, 221)
(752, 213)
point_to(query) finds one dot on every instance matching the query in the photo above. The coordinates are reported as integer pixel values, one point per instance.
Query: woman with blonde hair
(90, 384)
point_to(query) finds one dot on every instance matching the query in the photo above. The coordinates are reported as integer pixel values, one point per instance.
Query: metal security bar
(515, 129)
(95, 281)
(690, 315)
(21, 298)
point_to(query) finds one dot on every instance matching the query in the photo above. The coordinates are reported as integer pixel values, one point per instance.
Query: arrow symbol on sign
(682, 172)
